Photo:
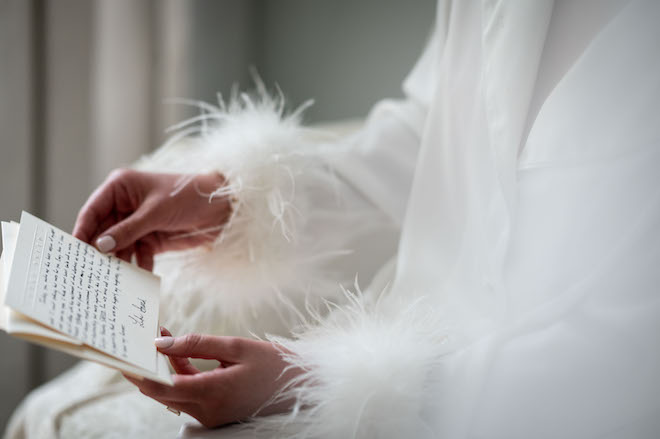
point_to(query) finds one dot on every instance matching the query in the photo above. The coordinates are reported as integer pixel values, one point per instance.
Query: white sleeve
(311, 212)
(383, 155)
(372, 171)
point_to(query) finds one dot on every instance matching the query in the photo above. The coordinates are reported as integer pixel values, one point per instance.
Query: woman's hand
(139, 213)
(249, 374)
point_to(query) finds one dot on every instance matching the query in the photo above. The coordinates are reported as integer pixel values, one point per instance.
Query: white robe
(522, 301)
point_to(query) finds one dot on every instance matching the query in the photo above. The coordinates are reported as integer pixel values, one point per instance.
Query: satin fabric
(543, 250)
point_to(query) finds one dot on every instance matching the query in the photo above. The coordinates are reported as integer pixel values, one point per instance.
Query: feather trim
(263, 267)
(369, 367)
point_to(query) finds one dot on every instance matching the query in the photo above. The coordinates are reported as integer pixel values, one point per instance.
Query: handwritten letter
(69, 286)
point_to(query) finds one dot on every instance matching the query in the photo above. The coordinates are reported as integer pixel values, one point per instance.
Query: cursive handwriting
(138, 317)
(84, 290)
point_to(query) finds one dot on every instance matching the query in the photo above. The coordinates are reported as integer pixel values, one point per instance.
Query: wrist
(217, 200)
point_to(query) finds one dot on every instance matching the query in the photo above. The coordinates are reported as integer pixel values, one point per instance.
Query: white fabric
(523, 299)
(274, 255)
(91, 401)
(540, 268)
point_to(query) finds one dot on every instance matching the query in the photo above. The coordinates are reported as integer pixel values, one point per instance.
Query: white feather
(269, 271)
(265, 264)
(368, 369)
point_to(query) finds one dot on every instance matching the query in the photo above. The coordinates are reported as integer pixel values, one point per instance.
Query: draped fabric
(543, 261)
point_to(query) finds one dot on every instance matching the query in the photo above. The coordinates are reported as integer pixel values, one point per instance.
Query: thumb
(124, 233)
(209, 347)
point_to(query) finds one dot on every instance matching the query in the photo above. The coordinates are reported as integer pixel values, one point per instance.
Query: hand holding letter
(142, 213)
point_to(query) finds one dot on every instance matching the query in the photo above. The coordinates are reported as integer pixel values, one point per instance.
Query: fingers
(223, 349)
(145, 255)
(106, 223)
(146, 248)
(163, 392)
(190, 407)
(125, 233)
(101, 209)
(143, 250)
(186, 388)
(126, 254)
(98, 206)
(114, 216)
(180, 365)
(131, 205)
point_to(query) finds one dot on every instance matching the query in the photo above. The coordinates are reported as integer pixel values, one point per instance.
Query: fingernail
(105, 243)
(164, 342)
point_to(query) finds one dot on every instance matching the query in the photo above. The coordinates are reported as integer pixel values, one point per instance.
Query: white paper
(11, 321)
(71, 287)
(161, 375)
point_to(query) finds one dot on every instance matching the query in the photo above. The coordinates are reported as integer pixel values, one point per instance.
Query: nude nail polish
(105, 243)
(164, 342)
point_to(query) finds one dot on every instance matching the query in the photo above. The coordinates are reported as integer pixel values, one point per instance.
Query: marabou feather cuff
(266, 261)
(369, 368)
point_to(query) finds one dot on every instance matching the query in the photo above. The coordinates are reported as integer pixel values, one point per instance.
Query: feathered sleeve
(369, 358)
(370, 365)
(298, 229)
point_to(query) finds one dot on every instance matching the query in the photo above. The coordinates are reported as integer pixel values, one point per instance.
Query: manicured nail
(164, 342)
(105, 243)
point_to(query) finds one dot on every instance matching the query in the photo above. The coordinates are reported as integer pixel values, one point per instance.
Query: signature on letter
(138, 317)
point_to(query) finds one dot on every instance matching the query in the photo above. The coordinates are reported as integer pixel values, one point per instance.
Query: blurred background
(83, 85)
